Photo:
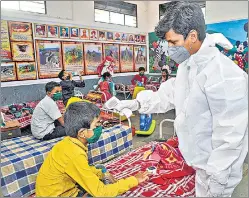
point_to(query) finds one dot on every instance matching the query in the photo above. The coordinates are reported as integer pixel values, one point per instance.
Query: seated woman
(164, 77)
(66, 172)
(106, 86)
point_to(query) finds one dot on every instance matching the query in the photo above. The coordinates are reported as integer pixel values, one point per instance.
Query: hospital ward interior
(124, 99)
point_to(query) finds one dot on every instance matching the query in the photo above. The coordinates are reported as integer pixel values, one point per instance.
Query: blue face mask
(178, 54)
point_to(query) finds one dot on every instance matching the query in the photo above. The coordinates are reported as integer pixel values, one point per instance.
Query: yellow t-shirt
(66, 165)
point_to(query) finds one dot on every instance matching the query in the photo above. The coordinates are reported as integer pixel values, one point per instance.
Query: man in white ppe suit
(210, 97)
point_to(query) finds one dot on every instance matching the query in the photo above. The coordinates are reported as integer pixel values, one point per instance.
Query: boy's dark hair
(141, 69)
(51, 85)
(106, 74)
(61, 74)
(182, 17)
(79, 115)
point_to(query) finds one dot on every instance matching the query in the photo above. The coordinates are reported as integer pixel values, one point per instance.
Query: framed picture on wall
(20, 31)
(49, 58)
(124, 37)
(93, 57)
(131, 38)
(74, 32)
(53, 31)
(8, 71)
(142, 38)
(22, 51)
(117, 36)
(137, 39)
(140, 57)
(126, 58)
(109, 36)
(26, 71)
(40, 30)
(102, 35)
(113, 51)
(84, 34)
(5, 42)
(73, 60)
(64, 32)
(93, 34)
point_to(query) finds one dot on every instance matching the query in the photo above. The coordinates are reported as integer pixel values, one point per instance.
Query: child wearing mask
(66, 172)
(139, 80)
(68, 84)
(47, 122)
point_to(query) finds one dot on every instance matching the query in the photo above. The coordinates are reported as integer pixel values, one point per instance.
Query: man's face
(55, 90)
(141, 73)
(66, 74)
(63, 31)
(164, 73)
(52, 30)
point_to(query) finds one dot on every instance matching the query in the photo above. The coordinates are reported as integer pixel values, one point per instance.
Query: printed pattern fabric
(173, 177)
(22, 157)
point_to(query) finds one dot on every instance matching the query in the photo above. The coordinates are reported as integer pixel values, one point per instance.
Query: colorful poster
(8, 71)
(237, 33)
(158, 57)
(126, 58)
(73, 56)
(113, 51)
(93, 57)
(26, 71)
(110, 36)
(22, 51)
(124, 37)
(5, 43)
(49, 60)
(117, 36)
(64, 32)
(142, 38)
(140, 57)
(137, 38)
(93, 34)
(40, 30)
(84, 34)
(53, 31)
(131, 38)
(102, 35)
(20, 31)
(74, 32)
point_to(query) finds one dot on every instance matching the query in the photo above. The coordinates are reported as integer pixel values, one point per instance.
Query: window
(116, 12)
(163, 7)
(28, 6)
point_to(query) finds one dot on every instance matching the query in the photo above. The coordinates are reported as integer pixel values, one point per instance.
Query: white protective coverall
(210, 96)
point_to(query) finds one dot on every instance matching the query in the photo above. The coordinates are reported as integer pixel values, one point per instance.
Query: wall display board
(126, 58)
(26, 70)
(49, 59)
(8, 71)
(113, 51)
(5, 42)
(93, 57)
(22, 51)
(73, 56)
(140, 57)
(20, 31)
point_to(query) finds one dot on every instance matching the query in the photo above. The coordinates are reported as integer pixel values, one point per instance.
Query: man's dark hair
(61, 74)
(51, 85)
(141, 69)
(106, 74)
(165, 70)
(182, 17)
(79, 115)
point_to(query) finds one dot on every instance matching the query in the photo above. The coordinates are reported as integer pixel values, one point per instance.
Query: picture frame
(126, 58)
(52, 31)
(40, 30)
(6, 55)
(140, 57)
(74, 32)
(117, 36)
(137, 38)
(64, 32)
(102, 35)
(109, 36)
(124, 37)
(49, 58)
(20, 31)
(113, 51)
(73, 56)
(142, 39)
(93, 57)
(26, 71)
(94, 35)
(8, 71)
(131, 38)
(22, 51)
(84, 34)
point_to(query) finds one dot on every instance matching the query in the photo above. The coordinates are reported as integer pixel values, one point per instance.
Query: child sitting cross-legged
(66, 172)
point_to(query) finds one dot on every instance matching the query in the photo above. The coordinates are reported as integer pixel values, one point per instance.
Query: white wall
(216, 11)
(78, 13)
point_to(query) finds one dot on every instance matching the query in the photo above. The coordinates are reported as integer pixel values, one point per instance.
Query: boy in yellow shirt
(66, 165)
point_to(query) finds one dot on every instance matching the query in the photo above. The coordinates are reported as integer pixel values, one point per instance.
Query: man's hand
(141, 177)
(111, 178)
(133, 105)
